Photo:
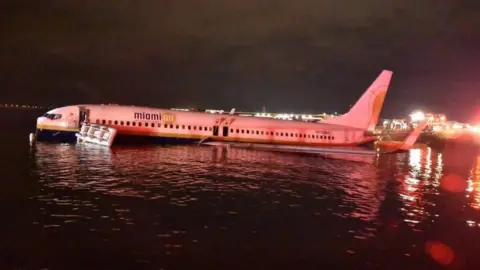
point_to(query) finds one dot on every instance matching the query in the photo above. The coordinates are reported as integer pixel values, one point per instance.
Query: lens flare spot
(453, 183)
(439, 252)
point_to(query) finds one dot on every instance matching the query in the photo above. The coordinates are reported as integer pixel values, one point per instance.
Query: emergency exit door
(225, 131)
(215, 130)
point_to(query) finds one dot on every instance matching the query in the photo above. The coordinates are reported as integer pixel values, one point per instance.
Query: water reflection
(160, 172)
(178, 193)
(474, 185)
(98, 169)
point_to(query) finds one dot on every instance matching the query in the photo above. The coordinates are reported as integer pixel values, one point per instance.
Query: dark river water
(189, 207)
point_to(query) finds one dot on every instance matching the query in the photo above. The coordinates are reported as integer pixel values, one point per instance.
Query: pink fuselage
(160, 124)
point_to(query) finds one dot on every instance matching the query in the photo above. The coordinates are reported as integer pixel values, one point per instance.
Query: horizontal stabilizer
(413, 136)
(405, 145)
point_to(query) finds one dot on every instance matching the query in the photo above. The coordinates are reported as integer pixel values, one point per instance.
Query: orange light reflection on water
(412, 187)
(433, 177)
(474, 185)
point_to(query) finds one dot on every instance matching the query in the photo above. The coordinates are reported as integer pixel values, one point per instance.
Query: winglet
(413, 136)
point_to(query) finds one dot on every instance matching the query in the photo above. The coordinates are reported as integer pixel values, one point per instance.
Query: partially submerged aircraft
(350, 153)
(140, 124)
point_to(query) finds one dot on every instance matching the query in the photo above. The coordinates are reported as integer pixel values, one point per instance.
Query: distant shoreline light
(21, 106)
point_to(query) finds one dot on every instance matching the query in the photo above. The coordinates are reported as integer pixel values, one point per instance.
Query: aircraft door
(215, 130)
(225, 131)
(83, 115)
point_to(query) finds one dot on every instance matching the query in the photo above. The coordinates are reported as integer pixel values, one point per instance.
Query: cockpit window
(52, 116)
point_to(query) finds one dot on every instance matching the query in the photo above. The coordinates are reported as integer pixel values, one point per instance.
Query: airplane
(350, 153)
(152, 125)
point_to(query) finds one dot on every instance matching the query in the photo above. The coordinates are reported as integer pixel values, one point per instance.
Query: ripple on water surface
(199, 201)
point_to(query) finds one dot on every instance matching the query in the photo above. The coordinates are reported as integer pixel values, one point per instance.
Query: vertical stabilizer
(364, 114)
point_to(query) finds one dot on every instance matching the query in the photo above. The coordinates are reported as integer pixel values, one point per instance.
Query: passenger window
(159, 125)
(271, 133)
(134, 123)
(194, 127)
(97, 121)
(177, 126)
(121, 123)
(333, 138)
(171, 125)
(210, 129)
(243, 131)
(128, 123)
(231, 130)
(189, 127)
(115, 122)
(152, 124)
(200, 128)
(183, 126)
(237, 130)
(103, 122)
(258, 132)
(109, 122)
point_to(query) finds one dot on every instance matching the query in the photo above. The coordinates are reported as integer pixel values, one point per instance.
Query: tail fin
(364, 114)
(412, 137)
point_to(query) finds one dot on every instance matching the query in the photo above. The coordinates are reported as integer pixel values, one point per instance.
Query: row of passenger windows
(146, 124)
(241, 131)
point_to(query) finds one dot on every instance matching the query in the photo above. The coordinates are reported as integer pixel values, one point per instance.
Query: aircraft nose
(40, 120)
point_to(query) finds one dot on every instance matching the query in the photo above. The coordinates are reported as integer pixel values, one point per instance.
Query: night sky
(299, 56)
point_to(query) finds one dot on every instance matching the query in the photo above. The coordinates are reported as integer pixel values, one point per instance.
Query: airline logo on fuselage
(166, 117)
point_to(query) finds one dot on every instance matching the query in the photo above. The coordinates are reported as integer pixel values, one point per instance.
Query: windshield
(52, 116)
